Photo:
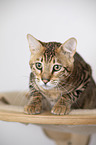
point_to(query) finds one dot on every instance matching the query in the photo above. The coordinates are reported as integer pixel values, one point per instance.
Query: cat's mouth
(47, 87)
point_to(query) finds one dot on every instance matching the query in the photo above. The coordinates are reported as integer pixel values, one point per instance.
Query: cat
(60, 79)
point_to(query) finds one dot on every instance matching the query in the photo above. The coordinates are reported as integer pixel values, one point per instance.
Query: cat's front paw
(32, 109)
(60, 110)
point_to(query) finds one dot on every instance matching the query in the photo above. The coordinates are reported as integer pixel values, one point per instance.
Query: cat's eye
(38, 65)
(57, 67)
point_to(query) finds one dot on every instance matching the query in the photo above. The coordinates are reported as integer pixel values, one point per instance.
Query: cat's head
(51, 62)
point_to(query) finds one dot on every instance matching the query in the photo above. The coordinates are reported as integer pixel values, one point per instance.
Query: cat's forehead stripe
(50, 50)
(48, 56)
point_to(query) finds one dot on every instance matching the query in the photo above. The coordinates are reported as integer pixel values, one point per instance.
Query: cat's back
(88, 97)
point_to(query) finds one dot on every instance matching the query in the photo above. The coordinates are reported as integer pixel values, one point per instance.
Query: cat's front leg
(34, 105)
(62, 107)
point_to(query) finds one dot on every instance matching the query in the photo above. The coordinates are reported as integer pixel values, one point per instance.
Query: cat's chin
(47, 87)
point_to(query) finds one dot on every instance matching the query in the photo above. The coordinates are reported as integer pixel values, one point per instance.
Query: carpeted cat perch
(72, 129)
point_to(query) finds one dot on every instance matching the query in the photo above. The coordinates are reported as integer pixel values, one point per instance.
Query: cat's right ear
(69, 47)
(34, 45)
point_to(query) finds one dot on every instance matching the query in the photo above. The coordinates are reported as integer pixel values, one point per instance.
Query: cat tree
(72, 129)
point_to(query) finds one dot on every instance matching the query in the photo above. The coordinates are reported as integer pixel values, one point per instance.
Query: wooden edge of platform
(76, 117)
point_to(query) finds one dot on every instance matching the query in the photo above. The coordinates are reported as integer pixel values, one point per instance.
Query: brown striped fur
(60, 78)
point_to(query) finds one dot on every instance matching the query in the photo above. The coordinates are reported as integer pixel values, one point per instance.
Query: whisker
(67, 93)
(70, 75)
(18, 98)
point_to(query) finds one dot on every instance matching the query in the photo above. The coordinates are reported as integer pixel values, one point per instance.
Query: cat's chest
(51, 97)
(52, 94)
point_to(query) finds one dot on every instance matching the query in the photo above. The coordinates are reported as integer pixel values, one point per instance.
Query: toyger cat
(60, 79)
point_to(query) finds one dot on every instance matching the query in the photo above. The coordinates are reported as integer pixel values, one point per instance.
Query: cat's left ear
(34, 45)
(69, 47)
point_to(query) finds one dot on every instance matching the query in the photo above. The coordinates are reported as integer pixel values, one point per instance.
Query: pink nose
(45, 81)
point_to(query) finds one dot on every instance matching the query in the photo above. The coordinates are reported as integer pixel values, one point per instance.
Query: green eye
(57, 67)
(38, 65)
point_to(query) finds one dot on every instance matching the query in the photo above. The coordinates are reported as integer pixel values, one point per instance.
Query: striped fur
(59, 90)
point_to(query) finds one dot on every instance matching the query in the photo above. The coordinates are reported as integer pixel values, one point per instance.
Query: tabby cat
(60, 79)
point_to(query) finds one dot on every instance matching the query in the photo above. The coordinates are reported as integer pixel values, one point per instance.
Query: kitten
(60, 79)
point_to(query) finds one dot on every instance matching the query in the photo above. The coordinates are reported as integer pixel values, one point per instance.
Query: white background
(52, 20)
